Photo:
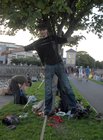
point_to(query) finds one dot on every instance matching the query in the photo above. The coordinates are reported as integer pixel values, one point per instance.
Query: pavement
(5, 100)
(91, 91)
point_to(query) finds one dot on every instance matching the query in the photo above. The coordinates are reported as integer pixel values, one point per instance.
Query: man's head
(43, 30)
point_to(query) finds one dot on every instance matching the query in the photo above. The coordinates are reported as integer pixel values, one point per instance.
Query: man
(47, 49)
(87, 71)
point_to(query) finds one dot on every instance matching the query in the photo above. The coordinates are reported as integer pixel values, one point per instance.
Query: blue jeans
(59, 70)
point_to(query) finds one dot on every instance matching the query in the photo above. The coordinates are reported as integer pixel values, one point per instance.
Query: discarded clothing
(10, 120)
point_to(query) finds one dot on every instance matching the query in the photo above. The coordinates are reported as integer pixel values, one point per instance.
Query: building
(71, 57)
(9, 46)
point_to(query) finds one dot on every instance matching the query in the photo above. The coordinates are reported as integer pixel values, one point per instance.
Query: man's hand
(6, 52)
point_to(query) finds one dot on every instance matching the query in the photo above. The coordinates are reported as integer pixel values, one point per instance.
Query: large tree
(62, 16)
(84, 59)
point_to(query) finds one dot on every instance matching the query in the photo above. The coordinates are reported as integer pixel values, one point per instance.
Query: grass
(30, 128)
(98, 82)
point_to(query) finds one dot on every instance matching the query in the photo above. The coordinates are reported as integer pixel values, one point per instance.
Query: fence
(11, 70)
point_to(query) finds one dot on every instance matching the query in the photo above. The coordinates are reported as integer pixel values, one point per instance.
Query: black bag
(10, 120)
(20, 98)
(23, 100)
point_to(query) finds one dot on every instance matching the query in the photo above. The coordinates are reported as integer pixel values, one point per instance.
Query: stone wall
(11, 70)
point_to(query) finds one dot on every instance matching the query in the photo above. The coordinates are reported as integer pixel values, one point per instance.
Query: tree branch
(73, 23)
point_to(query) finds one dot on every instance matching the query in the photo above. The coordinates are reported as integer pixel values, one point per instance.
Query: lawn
(98, 82)
(30, 127)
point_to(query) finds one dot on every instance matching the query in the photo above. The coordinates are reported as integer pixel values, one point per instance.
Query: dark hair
(42, 26)
(15, 80)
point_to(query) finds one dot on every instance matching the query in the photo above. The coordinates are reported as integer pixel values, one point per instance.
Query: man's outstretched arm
(6, 52)
(21, 49)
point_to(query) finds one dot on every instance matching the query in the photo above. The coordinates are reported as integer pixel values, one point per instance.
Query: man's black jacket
(47, 49)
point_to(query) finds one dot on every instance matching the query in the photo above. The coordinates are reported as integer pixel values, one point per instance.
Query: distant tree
(59, 15)
(28, 61)
(99, 64)
(84, 59)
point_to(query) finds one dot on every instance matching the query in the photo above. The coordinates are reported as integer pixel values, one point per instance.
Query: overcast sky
(92, 44)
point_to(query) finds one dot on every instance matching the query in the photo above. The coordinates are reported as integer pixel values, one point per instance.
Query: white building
(10, 46)
(70, 57)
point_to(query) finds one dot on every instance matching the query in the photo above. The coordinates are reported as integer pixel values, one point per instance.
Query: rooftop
(70, 50)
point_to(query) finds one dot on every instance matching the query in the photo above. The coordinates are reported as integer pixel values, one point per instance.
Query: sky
(92, 44)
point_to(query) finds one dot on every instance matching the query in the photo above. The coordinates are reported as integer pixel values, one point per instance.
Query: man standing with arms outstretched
(47, 49)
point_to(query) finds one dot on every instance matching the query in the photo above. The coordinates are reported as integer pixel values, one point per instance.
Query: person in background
(47, 49)
(87, 72)
(81, 73)
(17, 86)
(77, 72)
(29, 80)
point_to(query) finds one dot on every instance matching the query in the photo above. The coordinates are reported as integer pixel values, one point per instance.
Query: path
(91, 91)
(5, 100)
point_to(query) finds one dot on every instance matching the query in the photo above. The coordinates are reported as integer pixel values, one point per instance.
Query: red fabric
(56, 120)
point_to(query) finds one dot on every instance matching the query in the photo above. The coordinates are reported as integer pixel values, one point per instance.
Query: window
(69, 56)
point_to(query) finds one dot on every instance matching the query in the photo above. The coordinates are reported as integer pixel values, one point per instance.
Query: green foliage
(74, 40)
(28, 61)
(99, 64)
(84, 59)
(69, 14)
